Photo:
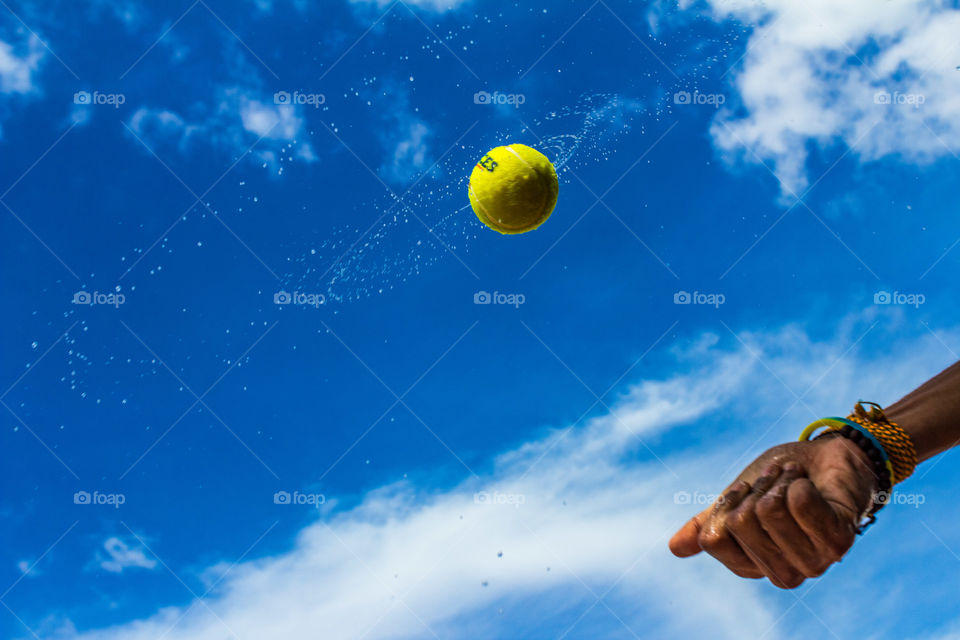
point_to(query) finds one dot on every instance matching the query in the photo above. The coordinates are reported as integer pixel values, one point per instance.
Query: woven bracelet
(896, 443)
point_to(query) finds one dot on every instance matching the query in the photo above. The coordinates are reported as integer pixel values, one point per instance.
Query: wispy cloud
(579, 513)
(121, 556)
(128, 12)
(237, 121)
(438, 6)
(26, 568)
(405, 136)
(411, 151)
(19, 63)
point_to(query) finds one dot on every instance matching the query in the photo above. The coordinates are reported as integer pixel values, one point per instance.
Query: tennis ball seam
(479, 204)
(510, 148)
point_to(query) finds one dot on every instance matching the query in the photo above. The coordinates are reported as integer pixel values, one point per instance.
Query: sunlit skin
(792, 512)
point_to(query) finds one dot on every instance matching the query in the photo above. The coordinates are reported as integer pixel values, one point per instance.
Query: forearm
(930, 414)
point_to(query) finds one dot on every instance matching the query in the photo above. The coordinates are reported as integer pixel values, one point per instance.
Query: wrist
(844, 453)
(856, 456)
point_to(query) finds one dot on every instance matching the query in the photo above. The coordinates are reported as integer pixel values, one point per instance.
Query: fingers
(745, 527)
(684, 544)
(779, 524)
(832, 535)
(714, 536)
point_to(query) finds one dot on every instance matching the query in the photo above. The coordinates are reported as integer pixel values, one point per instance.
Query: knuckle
(710, 540)
(740, 519)
(820, 568)
(839, 551)
(804, 498)
(787, 579)
(841, 544)
(748, 573)
(813, 567)
(793, 581)
(772, 508)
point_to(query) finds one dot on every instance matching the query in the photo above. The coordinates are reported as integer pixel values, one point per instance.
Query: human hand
(789, 515)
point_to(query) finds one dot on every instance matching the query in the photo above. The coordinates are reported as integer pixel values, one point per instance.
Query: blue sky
(186, 458)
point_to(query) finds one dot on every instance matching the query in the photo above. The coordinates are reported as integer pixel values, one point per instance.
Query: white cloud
(127, 12)
(814, 71)
(411, 151)
(20, 62)
(277, 122)
(408, 558)
(17, 70)
(155, 123)
(266, 6)
(951, 632)
(404, 135)
(235, 123)
(121, 557)
(438, 6)
(27, 568)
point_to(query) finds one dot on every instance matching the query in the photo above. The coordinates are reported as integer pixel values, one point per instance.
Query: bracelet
(896, 443)
(889, 448)
(880, 462)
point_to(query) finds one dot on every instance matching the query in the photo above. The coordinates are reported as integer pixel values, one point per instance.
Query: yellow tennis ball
(513, 189)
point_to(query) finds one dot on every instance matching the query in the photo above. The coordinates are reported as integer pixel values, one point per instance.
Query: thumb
(684, 542)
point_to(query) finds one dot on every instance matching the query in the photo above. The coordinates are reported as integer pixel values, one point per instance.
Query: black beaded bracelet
(877, 465)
